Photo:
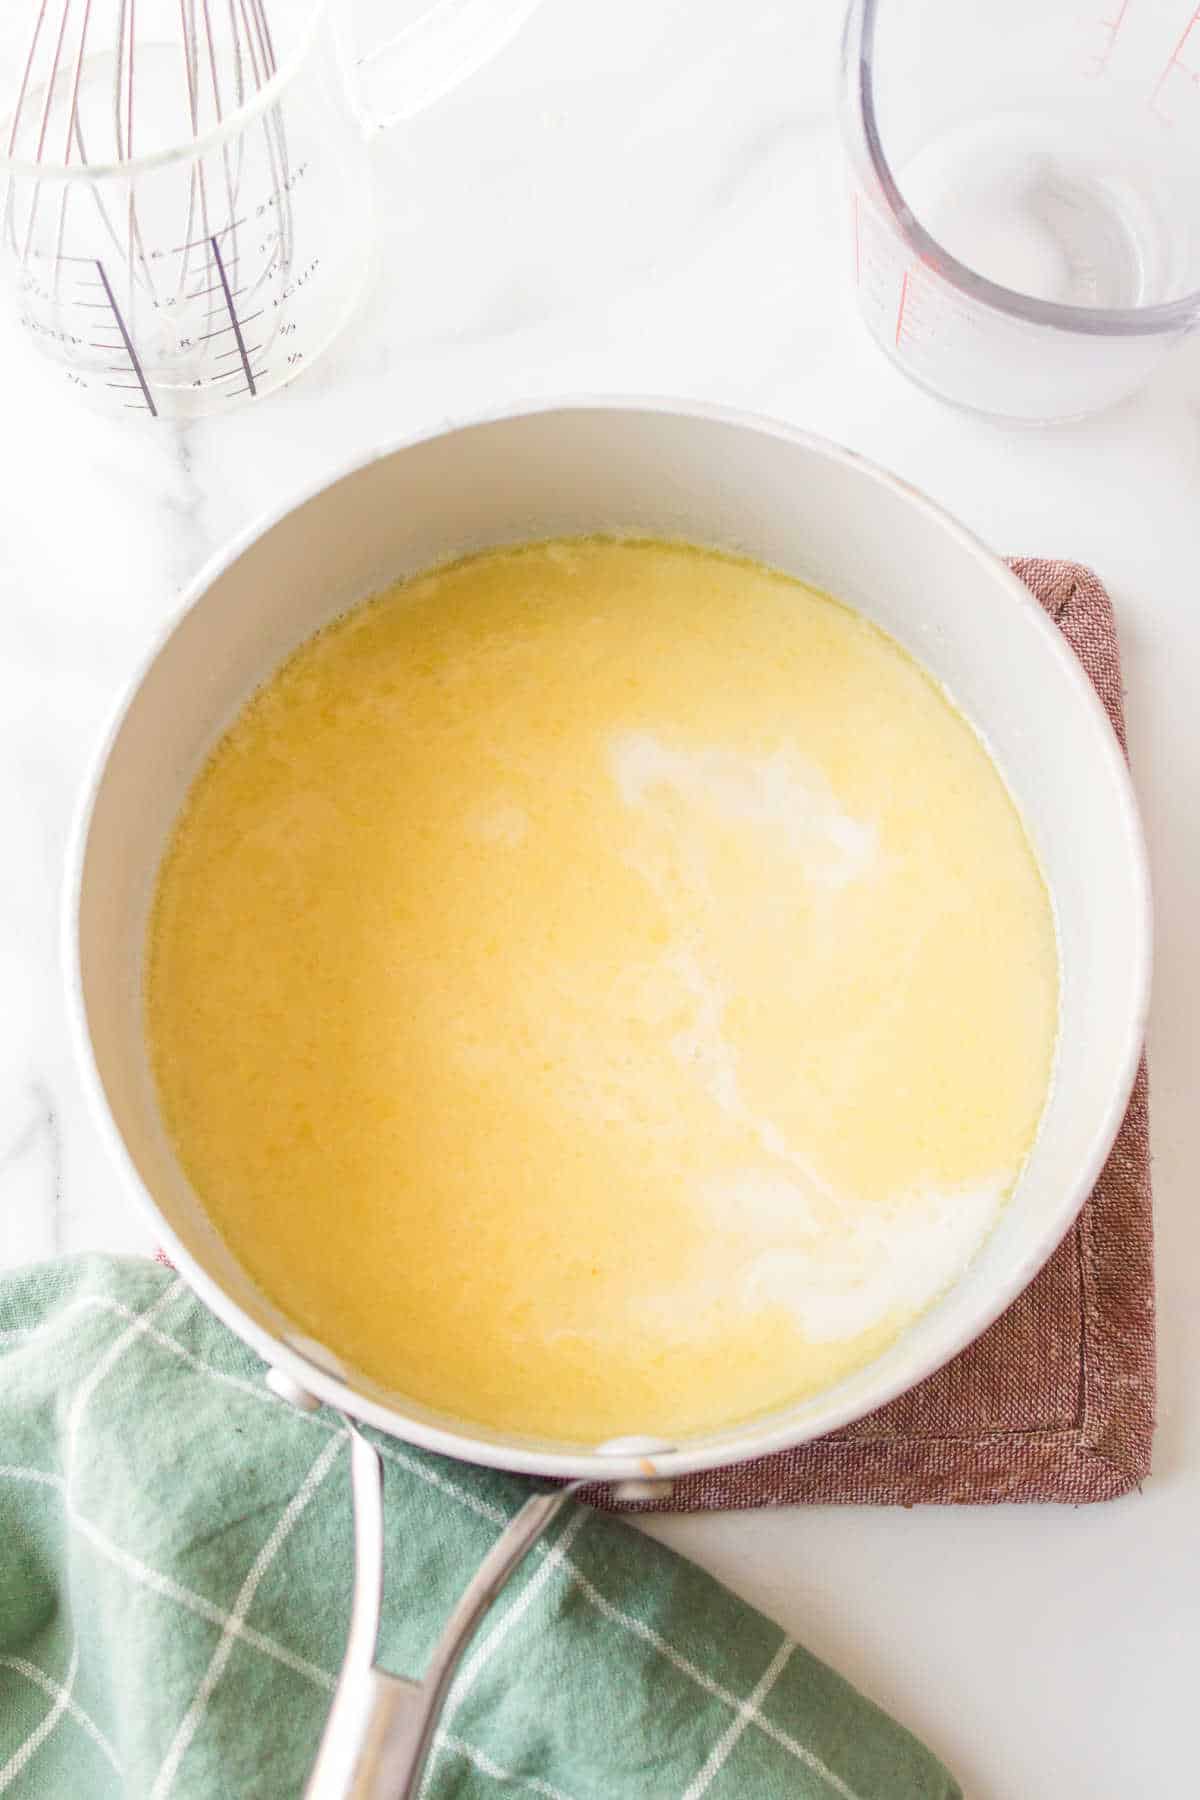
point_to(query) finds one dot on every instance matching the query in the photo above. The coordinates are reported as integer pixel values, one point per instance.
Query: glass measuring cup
(1025, 193)
(186, 186)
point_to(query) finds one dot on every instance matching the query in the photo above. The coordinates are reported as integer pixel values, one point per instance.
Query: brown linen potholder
(1056, 1400)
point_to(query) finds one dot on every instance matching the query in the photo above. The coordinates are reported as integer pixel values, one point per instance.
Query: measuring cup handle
(405, 71)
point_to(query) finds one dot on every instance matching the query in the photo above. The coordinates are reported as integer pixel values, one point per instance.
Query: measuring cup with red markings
(186, 185)
(1025, 193)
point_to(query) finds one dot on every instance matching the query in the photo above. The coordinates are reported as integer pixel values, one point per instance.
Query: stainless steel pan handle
(380, 1726)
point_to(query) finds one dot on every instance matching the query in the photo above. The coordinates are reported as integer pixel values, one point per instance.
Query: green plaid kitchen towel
(175, 1572)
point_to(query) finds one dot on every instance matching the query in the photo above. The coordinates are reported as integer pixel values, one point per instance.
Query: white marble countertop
(644, 197)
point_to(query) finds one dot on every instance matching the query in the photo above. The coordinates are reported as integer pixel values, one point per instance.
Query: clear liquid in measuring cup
(1072, 207)
(179, 269)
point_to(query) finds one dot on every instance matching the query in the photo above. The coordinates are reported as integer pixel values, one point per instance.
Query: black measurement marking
(222, 329)
(198, 243)
(216, 306)
(251, 350)
(233, 318)
(216, 288)
(130, 352)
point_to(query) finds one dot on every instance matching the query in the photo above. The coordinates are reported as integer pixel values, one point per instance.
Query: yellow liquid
(602, 988)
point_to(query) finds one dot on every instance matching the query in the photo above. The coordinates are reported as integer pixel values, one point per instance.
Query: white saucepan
(647, 468)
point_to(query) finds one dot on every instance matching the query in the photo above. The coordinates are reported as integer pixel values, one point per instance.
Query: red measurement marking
(857, 244)
(1114, 25)
(1174, 60)
(1110, 27)
(902, 305)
